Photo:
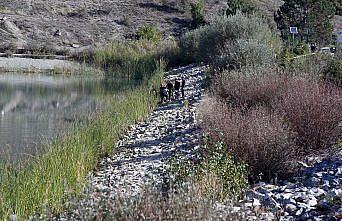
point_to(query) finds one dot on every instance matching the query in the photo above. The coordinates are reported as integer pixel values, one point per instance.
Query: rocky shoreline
(314, 194)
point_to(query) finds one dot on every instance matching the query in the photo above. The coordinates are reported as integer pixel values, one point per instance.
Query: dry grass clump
(188, 202)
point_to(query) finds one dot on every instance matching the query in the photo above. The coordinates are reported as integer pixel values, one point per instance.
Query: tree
(338, 5)
(312, 17)
(319, 26)
(239, 5)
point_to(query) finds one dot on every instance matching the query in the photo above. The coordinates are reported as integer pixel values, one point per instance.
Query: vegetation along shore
(256, 137)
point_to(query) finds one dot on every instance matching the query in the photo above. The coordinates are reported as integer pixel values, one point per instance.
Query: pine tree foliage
(312, 17)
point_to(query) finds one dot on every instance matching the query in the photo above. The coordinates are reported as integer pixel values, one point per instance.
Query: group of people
(169, 91)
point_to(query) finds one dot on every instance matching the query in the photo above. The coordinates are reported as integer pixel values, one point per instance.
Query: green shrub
(207, 42)
(189, 45)
(148, 32)
(244, 53)
(231, 173)
(169, 50)
(244, 6)
(333, 72)
(311, 66)
(228, 176)
(301, 48)
(284, 58)
(132, 60)
(197, 13)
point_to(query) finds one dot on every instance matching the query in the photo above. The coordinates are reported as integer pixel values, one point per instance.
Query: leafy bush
(170, 51)
(284, 58)
(209, 40)
(333, 71)
(311, 66)
(231, 173)
(313, 111)
(244, 53)
(257, 137)
(244, 6)
(197, 13)
(148, 32)
(250, 87)
(301, 48)
(214, 162)
(189, 45)
(133, 60)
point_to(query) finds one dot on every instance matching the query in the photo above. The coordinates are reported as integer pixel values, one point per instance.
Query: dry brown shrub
(313, 110)
(250, 87)
(257, 137)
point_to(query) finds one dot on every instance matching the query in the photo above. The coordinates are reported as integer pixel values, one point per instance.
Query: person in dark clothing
(153, 91)
(162, 92)
(169, 86)
(177, 87)
(313, 47)
(182, 87)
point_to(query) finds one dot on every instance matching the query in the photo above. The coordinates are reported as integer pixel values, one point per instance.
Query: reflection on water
(38, 107)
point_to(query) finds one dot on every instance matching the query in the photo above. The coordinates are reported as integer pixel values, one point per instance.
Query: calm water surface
(35, 108)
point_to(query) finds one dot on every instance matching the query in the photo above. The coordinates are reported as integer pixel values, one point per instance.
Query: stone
(287, 196)
(313, 182)
(336, 193)
(317, 192)
(312, 202)
(291, 208)
(299, 212)
(256, 203)
(302, 164)
(252, 194)
(299, 197)
(13, 217)
(323, 205)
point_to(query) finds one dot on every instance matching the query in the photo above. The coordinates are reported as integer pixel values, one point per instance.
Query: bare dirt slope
(73, 23)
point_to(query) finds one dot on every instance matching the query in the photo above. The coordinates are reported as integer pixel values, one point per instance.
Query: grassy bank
(49, 178)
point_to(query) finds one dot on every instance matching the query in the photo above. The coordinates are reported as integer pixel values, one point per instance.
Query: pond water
(34, 108)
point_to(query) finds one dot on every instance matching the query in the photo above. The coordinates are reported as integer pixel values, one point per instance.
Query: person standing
(162, 93)
(177, 87)
(169, 86)
(182, 87)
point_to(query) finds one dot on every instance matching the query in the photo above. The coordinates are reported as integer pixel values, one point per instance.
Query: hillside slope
(74, 23)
